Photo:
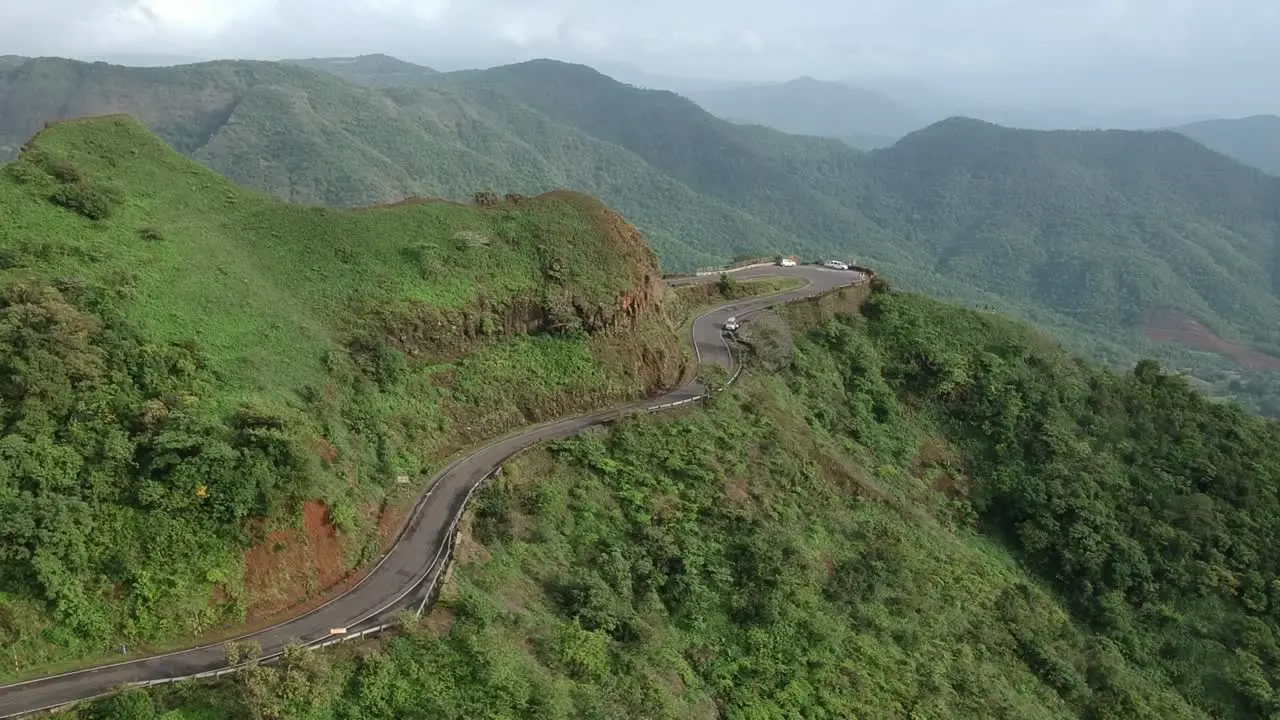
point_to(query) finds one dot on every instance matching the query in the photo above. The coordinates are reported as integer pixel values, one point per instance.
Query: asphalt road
(403, 576)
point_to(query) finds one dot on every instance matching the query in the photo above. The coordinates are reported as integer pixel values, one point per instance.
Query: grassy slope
(201, 326)
(1253, 140)
(839, 540)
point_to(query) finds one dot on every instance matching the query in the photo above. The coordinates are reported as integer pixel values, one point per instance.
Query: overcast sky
(1184, 52)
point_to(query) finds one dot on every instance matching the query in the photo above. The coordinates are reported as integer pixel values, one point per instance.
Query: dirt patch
(738, 491)
(468, 550)
(327, 451)
(389, 524)
(438, 622)
(1175, 328)
(937, 460)
(291, 565)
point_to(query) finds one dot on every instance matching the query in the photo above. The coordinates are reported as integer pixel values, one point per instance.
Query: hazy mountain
(806, 106)
(1252, 140)
(377, 70)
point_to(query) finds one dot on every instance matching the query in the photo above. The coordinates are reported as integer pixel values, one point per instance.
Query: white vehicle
(787, 262)
(835, 265)
(732, 324)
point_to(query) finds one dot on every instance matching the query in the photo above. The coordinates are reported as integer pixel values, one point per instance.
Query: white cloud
(947, 39)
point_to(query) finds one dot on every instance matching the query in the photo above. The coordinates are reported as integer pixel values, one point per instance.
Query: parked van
(835, 265)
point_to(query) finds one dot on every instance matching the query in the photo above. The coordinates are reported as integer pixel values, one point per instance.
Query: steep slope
(243, 394)
(805, 106)
(377, 70)
(926, 511)
(1253, 140)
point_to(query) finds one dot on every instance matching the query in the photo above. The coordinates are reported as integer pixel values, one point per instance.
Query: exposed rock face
(429, 333)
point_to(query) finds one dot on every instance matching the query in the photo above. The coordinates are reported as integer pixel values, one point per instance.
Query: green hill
(923, 511)
(1252, 140)
(185, 363)
(805, 106)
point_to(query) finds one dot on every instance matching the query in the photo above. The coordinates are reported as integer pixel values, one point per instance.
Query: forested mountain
(1104, 227)
(377, 70)
(805, 106)
(1123, 242)
(1253, 140)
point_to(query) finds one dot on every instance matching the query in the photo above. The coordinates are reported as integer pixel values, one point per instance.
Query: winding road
(406, 577)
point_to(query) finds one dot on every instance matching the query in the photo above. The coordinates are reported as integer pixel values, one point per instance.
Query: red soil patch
(1168, 326)
(327, 451)
(389, 524)
(291, 565)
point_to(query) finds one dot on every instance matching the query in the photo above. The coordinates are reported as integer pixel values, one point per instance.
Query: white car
(732, 324)
(787, 262)
(835, 265)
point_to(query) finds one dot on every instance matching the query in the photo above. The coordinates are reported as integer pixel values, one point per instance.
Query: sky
(1181, 55)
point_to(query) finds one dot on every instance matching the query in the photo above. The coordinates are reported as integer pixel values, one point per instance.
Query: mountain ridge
(1095, 260)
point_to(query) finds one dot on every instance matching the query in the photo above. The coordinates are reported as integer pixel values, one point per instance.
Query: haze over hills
(1092, 234)
(806, 106)
(377, 70)
(1252, 140)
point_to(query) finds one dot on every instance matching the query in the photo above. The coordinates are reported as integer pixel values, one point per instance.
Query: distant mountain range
(1253, 140)
(377, 70)
(805, 106)
(868, 119)
(1090, 233)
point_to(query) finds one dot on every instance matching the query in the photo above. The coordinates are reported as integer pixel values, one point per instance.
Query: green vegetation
(928, 512)
(185, 363)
